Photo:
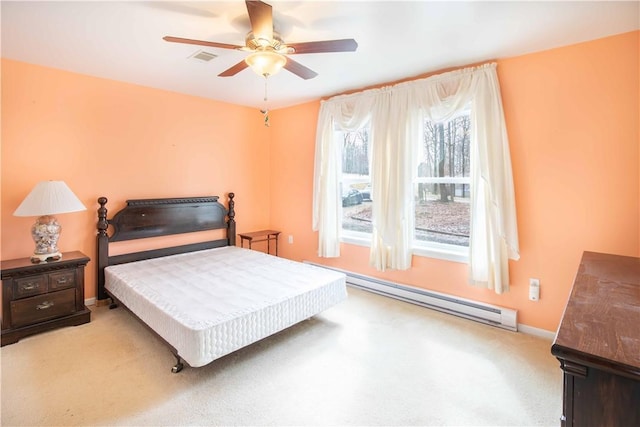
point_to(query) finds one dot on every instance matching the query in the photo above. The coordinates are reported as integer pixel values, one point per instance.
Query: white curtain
(396, 115)
(394, 132)
(347, 113)
(494, 231)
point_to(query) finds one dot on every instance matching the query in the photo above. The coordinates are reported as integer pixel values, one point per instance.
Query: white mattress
(210, 303)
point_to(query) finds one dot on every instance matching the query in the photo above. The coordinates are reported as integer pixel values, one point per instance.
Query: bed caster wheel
(113, 305)
(177, 368)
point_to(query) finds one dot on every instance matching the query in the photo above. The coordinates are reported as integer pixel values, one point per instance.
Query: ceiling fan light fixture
(263, 42)
(266, 63)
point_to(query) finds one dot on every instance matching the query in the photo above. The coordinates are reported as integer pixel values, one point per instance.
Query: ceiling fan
(269, 53)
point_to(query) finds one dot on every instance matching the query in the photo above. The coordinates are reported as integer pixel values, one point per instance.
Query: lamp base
(45, 233)
(38, 258)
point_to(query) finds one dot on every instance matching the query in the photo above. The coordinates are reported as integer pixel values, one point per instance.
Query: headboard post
(231, 223)
(102, 247)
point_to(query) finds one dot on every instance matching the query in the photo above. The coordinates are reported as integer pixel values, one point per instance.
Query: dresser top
(601, 322)
(25, 264)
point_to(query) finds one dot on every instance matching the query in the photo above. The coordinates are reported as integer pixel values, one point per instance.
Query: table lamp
(46, 199)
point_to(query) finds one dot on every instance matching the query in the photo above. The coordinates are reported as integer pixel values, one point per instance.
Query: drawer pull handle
(44, 305)
(62, 281)
(30, 286)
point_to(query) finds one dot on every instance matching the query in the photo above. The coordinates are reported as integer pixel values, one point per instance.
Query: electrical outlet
(290, 238)
(534, 289)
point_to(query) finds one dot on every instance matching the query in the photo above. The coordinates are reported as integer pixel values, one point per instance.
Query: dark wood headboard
(145, 218)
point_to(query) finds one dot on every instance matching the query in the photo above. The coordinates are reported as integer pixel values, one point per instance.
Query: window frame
(446, 251)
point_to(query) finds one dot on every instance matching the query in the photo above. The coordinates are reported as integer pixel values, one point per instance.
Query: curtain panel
(396, 114)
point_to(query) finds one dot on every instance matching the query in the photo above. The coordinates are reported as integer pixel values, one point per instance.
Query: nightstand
(41, 297)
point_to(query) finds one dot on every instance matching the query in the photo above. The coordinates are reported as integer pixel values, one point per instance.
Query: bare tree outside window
(355, 152)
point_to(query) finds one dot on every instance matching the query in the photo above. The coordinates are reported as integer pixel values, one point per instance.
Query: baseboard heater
(501, 317)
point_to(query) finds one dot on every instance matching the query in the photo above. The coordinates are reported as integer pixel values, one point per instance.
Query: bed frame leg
(178, 366)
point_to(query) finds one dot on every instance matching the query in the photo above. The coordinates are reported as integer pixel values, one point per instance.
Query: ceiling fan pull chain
(265, 88)
(265, 110)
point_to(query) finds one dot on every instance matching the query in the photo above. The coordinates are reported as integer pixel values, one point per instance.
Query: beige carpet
(369, 361)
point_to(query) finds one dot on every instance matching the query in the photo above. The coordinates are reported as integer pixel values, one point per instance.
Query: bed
(206, 299)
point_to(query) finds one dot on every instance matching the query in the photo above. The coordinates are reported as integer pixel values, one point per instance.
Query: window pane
(443, 222)
(355, 152)
(445, 148)
(355, 186)
(357, 218)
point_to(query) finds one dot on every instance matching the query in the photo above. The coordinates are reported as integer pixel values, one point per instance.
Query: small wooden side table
(260, 236)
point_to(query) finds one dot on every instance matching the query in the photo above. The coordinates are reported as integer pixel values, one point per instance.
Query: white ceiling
(397, 39)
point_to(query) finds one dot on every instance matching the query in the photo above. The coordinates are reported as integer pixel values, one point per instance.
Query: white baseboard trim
(537, 332)
(90, 301)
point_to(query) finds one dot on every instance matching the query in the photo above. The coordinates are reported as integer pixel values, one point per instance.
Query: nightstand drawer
(62, 280)
(42, 307)
(29, 286)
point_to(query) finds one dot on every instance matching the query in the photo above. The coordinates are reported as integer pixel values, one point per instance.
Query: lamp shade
(49, 198)
(265, 62)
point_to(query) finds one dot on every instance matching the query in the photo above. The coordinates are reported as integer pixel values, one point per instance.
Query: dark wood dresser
(40, 297)
(598, 343)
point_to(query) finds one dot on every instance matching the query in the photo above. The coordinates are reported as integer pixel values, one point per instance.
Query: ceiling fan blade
(201, 42)
(261, 17)
(234, 70)
(299, 70)
(343, 45)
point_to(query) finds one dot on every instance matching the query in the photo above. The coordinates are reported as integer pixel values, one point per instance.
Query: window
(394, 112)
(442, 186)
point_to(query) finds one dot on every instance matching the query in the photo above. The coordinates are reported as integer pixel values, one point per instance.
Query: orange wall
(572, 118)
(106, 138)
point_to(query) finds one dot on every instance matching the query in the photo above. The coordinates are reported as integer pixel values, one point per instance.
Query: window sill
(443, 252)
